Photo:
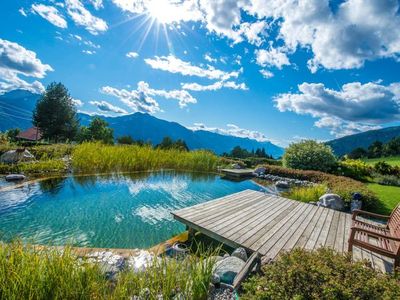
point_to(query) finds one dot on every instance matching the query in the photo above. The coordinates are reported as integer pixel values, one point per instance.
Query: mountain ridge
(17, 106)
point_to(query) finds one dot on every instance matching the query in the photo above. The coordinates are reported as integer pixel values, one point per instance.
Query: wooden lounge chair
(382, 239)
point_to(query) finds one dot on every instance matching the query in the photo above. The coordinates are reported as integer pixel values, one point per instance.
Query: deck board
(272, 224)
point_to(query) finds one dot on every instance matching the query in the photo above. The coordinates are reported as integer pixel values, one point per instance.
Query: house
(32, 134)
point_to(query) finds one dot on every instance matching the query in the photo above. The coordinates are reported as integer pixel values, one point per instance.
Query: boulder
(282, 184)
(331, 201)
(228, 268)
(260, 171)
(240, 253)
(16, 156)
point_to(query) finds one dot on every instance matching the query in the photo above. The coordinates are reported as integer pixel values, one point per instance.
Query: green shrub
(100, 158)
(35, 167)
(384, 168)
(322, 274)
(388, 180)
(306, 193)
(354, 168)
(343, 186)
(254, 161)
(309, 155)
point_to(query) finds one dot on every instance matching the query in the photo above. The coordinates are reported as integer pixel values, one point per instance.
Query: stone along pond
(118, 211)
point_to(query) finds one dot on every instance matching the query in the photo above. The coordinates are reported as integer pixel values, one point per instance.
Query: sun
(163, 12)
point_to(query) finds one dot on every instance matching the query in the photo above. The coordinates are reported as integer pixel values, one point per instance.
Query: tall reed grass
(29, 273)
(307, 193)
(96, 157)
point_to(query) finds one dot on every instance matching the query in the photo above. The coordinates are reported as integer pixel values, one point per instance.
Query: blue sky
(279, 70)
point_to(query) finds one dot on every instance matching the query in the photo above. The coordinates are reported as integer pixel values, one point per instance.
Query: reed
(99, 158)
(306, 194)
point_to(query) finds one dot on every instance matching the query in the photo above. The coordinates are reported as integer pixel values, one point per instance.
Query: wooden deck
(270, 224)
(238, 173)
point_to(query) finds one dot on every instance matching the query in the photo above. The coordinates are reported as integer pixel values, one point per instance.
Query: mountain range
(16, 111)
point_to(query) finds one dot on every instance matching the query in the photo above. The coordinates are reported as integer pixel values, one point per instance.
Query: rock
(215, 279)
(331, 201)
(236, 166)
(260, 171)
(141, 261)
(282, 184)
(355, 204)
(110, 263)
(240, 253)
(228, 268)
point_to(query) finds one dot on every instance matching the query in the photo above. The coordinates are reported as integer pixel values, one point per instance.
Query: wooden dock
(271, 224)
(238, 173)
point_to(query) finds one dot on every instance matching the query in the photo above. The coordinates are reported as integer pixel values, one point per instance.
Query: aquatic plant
(100, 158)
(306, 193)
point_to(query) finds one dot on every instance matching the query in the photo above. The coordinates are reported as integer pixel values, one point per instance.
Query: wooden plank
(241, 218)
(275, 244)
(254, 259)
(254, 225)
(298, 234)
(340, 234)
(347, 232)
(261, 226)
(269, 230)
(330, 240)
(309, 245)
(310, 228)
(324, 230)
(187, 211)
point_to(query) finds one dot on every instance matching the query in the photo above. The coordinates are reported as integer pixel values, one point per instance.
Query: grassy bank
(27, 273)
(388, 196)
(99, 158)
(391, 160)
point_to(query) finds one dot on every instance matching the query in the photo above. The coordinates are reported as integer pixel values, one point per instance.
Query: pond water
(118, 211)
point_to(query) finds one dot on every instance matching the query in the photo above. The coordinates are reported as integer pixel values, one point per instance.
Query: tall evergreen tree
(55, 114)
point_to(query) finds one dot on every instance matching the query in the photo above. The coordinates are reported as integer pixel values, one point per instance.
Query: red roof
(31, 134)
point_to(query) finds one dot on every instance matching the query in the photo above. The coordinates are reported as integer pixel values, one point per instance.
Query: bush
(354, 168)
(384, 168)
(388, 180)
(322, 274)
(309, 155)
(306, 193)
(343, 186)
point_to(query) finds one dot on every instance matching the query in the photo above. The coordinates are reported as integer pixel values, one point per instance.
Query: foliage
(358, 153)
(309, 155)
(375, 149)
(167, 143)
(343, 186)
(27, 272)
(35, 167)
(378, 149)
(3, 138)
(251, 162)
(388, 180)
(391, 160)
(306, 193)
(12, 134)
(384, 168)
(97, 130)
(55, 114)
(354, 168)
(96, 157)
(238, 152)
(388, 197)
(322, 274)
(125, 140)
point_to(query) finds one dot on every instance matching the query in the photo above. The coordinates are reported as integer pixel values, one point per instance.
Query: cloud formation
(15, 60)
(355, 107)
(50, 13)
(274, 57)
(232, 129)
(108, 107)
(175, 65)
(215, 86)
(82, 17)
(132, 55)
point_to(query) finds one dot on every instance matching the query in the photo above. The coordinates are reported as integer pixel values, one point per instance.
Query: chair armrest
(357, 212)
(376, 234)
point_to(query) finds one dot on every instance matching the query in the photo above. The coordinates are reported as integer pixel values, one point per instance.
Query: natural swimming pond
(118, 211)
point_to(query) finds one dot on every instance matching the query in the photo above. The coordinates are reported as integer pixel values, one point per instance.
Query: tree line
(377, 149)
(238, 152)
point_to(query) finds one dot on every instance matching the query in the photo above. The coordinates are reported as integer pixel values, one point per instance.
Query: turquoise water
(130, 211)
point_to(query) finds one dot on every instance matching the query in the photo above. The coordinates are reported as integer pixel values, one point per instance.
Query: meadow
(391, 160)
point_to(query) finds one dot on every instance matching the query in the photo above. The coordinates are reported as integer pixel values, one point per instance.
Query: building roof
(31, 134)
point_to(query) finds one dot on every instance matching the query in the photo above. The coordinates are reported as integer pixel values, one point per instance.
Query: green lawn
(391, 160)
(388, 195)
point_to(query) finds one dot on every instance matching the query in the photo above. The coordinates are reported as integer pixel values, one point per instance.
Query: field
(391, 160)
(389, 196)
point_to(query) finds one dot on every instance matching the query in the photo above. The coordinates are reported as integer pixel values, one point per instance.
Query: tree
(358, 153)
(97, 130)
(309, 155)
(375, 149)
(125, 140)
(181, 145)
(12, 134)
(55, 114)
(166, 143)
(392, 147)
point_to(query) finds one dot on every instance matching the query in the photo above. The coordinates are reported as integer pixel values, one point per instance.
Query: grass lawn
(388, 195)
(391, 160)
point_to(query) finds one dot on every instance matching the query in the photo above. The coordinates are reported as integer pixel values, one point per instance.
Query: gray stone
(240, 253)
(215, 279)
(228, 268)
(282, 184)
(331, 201)
(355, 204)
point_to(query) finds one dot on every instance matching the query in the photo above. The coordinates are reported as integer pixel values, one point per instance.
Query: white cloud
(97, 4)
(355, 107)
(108, 107)
(173, 64)
(233, 130)
(22, 12)
(82, 17)
(267, 74)
(77, 102)
(208, 58)
(215, 86)
(15, 60)
(254, 32)
(89, 52)
(132, 54)
(273, 57)
(50, 13)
